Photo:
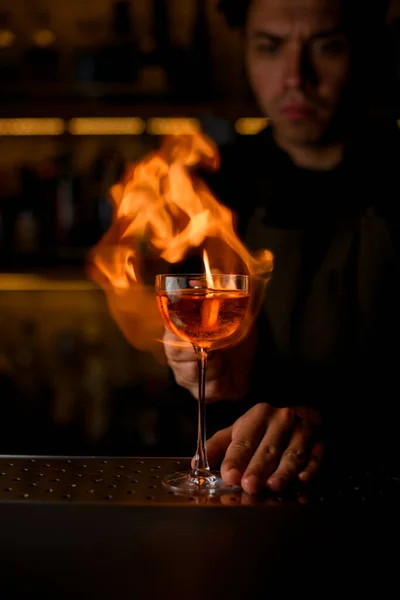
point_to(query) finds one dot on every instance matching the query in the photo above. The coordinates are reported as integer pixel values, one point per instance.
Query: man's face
(298, 63)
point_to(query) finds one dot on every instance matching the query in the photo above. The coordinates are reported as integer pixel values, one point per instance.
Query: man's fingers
(176, 349)
(254, 449)
(314, 462)
(182, 360)
(246, 436)
(217, 446)
(267, 455)
(293, 459)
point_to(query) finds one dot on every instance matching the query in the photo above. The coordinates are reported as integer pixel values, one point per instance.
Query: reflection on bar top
(30, 282)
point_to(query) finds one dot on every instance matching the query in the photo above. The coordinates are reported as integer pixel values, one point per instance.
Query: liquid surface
(203, 316)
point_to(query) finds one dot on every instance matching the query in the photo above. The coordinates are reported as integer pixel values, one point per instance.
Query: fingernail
(276, 483)
(304, 476)
(250, 484)
(232, 476)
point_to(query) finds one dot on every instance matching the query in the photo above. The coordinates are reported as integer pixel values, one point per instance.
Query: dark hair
(235, 11)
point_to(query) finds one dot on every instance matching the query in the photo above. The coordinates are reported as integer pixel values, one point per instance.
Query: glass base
(186, 482)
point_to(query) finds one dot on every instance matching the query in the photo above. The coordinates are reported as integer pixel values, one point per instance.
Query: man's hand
(227, 374)
(269, 447)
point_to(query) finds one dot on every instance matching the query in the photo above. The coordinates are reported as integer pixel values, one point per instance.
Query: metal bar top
(106, 528)
(138, 481)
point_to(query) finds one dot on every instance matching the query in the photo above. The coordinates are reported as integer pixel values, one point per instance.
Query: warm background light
(115, 126)
(44, 38)
(15, 282)
(107, 126)
(248, 126)
(25, 127)
(173, 126)
(7, 38)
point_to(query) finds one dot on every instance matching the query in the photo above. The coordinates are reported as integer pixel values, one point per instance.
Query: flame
(209, 277)
(210, 309)
(163, 212)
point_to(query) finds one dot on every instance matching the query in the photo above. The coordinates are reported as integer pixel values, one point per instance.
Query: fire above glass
(163, 212)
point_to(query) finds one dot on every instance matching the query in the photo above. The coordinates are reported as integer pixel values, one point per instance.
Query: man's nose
(294, 69)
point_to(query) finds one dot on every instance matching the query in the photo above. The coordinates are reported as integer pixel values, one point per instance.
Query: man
(318, 189)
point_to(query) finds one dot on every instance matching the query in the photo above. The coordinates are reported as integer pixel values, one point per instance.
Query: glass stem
(201, 467)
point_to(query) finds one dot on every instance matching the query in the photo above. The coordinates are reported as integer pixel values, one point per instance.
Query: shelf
(226, 108)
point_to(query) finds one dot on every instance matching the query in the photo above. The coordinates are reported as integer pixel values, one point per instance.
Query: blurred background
(85, 87)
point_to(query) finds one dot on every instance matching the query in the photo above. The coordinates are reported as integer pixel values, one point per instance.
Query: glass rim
(202, 275)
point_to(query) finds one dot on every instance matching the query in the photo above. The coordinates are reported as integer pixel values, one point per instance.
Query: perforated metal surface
(138, 481)
(134, 481)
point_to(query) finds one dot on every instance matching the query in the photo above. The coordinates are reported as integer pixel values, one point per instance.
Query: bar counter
(83, 527)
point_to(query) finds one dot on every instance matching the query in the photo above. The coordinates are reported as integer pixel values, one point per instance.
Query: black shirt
(329, 331)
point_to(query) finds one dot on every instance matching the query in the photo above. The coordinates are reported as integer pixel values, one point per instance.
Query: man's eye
(331, 47)
(267, 49)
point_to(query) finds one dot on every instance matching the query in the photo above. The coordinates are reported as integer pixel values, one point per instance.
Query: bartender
(318, 188)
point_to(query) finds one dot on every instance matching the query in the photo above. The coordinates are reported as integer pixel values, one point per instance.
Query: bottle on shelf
(201, 64)
(64, 208)
(28, 366)
(43, 199)
(42, 61)
(8, 50)
(84, 56)
(118, 59)
(192, 63)
(156, 59)
(94, 215)
(162, 33)
(55, 202)
(65, 374)
(95, 381)
(25, 220)
(26, 233)
(180, 31)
